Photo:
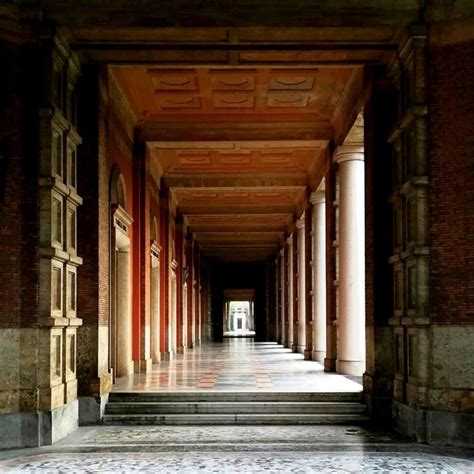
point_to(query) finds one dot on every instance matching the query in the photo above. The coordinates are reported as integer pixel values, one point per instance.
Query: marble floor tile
(239, 364)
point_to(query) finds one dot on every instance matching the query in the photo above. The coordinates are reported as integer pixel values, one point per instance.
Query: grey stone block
(91, 409)
(433, 426)
(31, 429)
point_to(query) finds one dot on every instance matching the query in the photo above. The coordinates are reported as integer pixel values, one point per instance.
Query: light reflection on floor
(239, 364)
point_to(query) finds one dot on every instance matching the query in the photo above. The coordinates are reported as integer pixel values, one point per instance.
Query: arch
(120, 321)
(118, 188)
(153, 227)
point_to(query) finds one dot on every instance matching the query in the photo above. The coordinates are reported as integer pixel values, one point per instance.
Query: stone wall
(434, 387)
(18, 230)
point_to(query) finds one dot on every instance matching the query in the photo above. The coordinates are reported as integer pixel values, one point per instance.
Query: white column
(291, 292)
(351, 324)
(318, 200)
(155, 310)
(277, 301)
(283, 314)
(252, 315)
(300, 225)
(124, 315)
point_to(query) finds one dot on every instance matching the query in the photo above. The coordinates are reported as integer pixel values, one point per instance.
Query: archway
(155, 250)
(239, 315)
(120, 322)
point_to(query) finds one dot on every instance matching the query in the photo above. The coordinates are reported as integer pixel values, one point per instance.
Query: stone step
(207, 396)
(239, 419)
(249, 407)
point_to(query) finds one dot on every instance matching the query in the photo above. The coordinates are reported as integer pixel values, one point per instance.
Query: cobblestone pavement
(186, 449)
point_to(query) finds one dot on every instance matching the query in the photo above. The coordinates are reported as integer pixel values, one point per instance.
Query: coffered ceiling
(239, 199)
(240, 148)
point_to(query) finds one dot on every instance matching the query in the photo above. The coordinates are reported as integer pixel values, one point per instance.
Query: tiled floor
(239, 364)
(222, 449)
(236, 365)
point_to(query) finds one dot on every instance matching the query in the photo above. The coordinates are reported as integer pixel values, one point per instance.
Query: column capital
(318, 197)
(348, 153)
(299, 224)
(289, 240)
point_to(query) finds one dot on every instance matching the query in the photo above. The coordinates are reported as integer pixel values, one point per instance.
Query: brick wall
(379, 119)
(18, 191)
(451, 122)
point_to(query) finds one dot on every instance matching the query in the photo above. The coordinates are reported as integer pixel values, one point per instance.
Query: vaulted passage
(270, 201)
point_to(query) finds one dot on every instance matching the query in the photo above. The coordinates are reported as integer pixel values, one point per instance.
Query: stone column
(197, 304)
(283, 314)
(301, 278)
(351, 354)
(226, 317)
(165, 273)
(190, 299)
(308, 317)
(332, 212)
(155, 250)
(139, 253)
(277, 300)
(318, 201)
(290, 292)
(180, 319)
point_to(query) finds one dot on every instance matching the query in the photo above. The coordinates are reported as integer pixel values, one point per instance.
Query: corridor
(174, 173)
(239, 365)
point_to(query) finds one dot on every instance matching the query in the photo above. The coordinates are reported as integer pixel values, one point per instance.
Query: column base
(301, 349)
(307, 354)
(329, 364)
(142, 366)
(350, 367)
(182, 350)
(91, 409)
(156, 359)
(318, 356)
(167, 355)
(126, 371)
(294, 347)
(32, 429)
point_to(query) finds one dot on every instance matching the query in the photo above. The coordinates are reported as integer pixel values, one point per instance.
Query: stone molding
(318, 197)
(300, 223)
(348, 153)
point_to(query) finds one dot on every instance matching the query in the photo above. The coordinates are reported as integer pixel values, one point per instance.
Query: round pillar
(300, 226)
(291, 294)
(318, 201)
(283, 290)
(351, 284)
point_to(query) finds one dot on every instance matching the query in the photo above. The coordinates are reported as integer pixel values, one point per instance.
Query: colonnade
(306, 322)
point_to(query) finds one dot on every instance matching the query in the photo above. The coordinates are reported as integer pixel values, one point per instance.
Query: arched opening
(172, 328)
(238, 319)
(120, 321)
(155, 250)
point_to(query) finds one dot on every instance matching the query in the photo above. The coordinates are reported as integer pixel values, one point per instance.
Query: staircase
(239, 408)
